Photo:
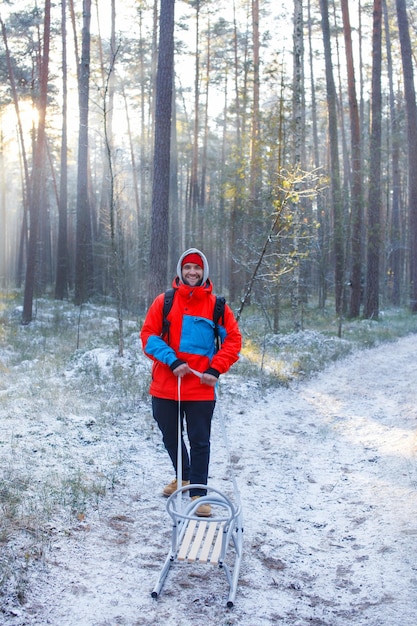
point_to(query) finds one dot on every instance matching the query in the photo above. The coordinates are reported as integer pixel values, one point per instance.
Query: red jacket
(191, 339)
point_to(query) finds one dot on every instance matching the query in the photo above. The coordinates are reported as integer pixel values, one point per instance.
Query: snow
(327, 475)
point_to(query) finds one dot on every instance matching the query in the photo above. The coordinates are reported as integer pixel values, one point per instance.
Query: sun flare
(28, 116)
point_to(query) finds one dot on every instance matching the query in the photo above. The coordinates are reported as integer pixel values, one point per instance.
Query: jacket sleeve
(231, 344)
(152, 343)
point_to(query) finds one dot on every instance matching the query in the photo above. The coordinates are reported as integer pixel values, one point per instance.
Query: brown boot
(204, 510)
(172, 486)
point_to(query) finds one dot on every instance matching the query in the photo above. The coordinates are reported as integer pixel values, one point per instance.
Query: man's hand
(181, 370)
(209, 379)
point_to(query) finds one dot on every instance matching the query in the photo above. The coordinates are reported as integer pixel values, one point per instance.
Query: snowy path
(328, 479)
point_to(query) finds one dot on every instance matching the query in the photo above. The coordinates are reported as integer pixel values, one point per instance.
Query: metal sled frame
(204, 540)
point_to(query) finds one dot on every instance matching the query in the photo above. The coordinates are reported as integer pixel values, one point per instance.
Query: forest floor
(327, 475)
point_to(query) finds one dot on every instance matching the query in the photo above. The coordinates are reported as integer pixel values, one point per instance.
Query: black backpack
(218, 314)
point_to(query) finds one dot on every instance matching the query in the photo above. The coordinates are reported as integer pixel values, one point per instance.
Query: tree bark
(38, 174)
(371, 309)
(396, 256)
(62, 267)
(298, 86)
(338, 234)
(84, 281)
(236, 203)
(161, 169)
(356, 168)
(193, 201)
(410, 98)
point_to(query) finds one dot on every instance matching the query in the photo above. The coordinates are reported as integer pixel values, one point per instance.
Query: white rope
(179, 447)
(198, 374)
(229, 454)
(226, 441)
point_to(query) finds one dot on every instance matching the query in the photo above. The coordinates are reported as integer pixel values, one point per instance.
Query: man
(188, 344)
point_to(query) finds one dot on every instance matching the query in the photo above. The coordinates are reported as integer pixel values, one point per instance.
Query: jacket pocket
(197, 336)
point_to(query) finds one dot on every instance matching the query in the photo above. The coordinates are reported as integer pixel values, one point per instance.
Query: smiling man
(192, 269)
(189, 346)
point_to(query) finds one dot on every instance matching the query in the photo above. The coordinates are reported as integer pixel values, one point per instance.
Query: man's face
(192, 274)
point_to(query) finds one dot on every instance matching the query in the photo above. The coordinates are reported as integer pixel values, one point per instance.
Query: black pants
(198, 415)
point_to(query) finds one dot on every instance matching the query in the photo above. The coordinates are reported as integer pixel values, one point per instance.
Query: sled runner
(216, 540)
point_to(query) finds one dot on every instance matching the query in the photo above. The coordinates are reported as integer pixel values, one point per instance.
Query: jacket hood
(203, 258)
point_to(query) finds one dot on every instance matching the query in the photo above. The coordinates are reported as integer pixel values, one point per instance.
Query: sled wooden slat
(182, 553)
(205, 550)
(199, 536)
(202, 541)
(217, 546)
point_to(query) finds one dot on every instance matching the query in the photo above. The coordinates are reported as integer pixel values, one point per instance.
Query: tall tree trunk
(237, 275)
(116, 226)
(161, 169)
(236, 283)
(223, 243)
(255, 152)
(203, 178)
(145, 150)
(338, 234)
(298, 57)
(38, 174)
(410, 98)
(175, 245)
(84, 281)
(193, 203)
(62, 267)
(396, 256)
(154, 70)
(356, 168)
(321, 211)
(371, 308)
(311, 57)
(103, 262)
(345, 178)
(74, 32)
(252, 224)
(280, 154)
(250, 127)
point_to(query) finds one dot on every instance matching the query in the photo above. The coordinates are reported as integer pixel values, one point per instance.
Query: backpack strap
(168, 300)
(218, 314)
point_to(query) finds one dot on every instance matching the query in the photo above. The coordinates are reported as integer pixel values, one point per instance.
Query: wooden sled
(204, 540)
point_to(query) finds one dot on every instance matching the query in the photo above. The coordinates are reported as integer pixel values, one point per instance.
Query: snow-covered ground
(327, 475)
